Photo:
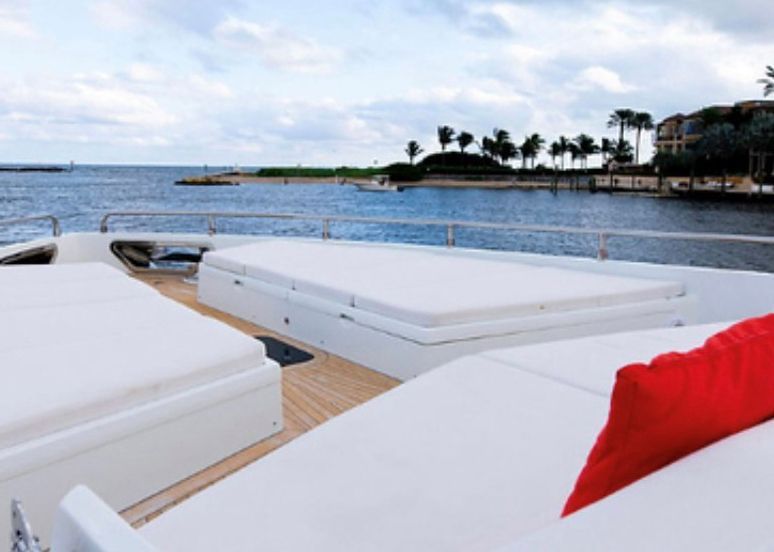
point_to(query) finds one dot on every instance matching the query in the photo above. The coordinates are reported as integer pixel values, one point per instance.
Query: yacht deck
(313, 392)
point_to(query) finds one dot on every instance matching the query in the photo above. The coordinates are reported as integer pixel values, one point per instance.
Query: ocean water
(81, 197)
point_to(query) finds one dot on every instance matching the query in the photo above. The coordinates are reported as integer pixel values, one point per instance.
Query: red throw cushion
(679, 403)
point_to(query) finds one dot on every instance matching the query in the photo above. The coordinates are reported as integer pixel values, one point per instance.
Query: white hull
(376, 187)
(380, 183)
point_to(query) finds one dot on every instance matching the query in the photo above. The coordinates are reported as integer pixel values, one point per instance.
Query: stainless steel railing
(451, 227)
(56, 228)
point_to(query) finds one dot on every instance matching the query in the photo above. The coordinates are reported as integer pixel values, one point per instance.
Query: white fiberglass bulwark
(108, 383)
(403, 310)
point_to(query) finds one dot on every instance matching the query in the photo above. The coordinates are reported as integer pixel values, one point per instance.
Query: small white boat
(378, 183)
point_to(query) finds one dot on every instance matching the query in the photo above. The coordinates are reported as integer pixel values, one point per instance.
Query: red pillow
(679, 403)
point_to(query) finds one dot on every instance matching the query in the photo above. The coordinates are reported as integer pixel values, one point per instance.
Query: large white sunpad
(429, 289)
(102, 375)
(479, 454)
(424, 306)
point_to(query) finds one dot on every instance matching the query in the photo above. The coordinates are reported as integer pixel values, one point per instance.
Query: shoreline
(455, 183)
(616, 184)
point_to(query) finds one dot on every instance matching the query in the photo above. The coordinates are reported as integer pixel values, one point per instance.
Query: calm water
(81, 197)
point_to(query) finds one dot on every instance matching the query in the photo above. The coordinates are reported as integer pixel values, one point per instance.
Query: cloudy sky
(350, 81)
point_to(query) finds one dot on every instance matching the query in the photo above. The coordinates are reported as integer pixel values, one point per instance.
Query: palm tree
(413, 150)
(555, 150)
(586, 147)
(503, 145)
(642, 120)
(464, 139)
(507, 151)
(622, 151)
(768, 82)
(488, 147)
(498, 146)
(606, 149)
(720, 142)
(575, 153)
(501, 135)
(564, 147)
(758, 138)
(445, 136)
(537, 144)
(621, 118)
(527, 151)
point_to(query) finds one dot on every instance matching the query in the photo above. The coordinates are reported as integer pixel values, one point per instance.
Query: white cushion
(431, 289)
(506, 290)
(591, 362)
(45, 286)
(66, 323)
(93, 354)
(719, 498)
(29, 274)
(461, 458)
(52, 388)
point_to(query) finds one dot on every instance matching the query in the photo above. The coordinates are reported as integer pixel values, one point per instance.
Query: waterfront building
(679, 132)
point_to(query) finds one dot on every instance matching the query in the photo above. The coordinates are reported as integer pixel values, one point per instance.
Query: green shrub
(458, 159)
(318, 172)
(403, 172)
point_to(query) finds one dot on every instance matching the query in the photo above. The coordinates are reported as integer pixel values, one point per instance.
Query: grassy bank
(319, 172)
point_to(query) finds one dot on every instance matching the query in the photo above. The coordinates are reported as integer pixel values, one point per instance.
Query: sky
(349, 82)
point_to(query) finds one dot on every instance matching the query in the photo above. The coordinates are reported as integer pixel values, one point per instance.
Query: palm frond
(768, 82)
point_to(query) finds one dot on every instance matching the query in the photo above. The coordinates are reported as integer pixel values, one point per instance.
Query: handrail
(602, 234)
(56, 227)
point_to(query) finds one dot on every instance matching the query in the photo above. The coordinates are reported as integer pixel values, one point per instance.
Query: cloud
(470, 17)
(659, 58)
(745, 19)
(244, 81)
(572, 62)
(277, 47)
(471, 96)
(144, 72)
(84, 101)
(597, 77)
(210, 61)
(196, 16)
(140, 106)
(14, 22)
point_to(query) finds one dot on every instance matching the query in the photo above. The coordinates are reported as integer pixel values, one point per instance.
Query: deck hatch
(284, 353)
(35, 256)
(167, 257)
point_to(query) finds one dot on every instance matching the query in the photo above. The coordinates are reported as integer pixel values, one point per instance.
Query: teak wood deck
(312, 392)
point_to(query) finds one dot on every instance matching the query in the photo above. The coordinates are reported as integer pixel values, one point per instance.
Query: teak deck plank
(312, 393)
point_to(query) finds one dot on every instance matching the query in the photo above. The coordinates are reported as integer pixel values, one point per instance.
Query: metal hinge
(22, 537)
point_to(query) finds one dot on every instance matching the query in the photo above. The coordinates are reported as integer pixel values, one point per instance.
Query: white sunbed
(475, 455)
(424, 306)
(108, 383)
(717, 499)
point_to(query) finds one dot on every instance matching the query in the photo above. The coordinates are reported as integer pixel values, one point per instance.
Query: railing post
(602, 253)
(211, 225)
(449, 235)
(326, 229)
(56, 228)
(103, 224)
